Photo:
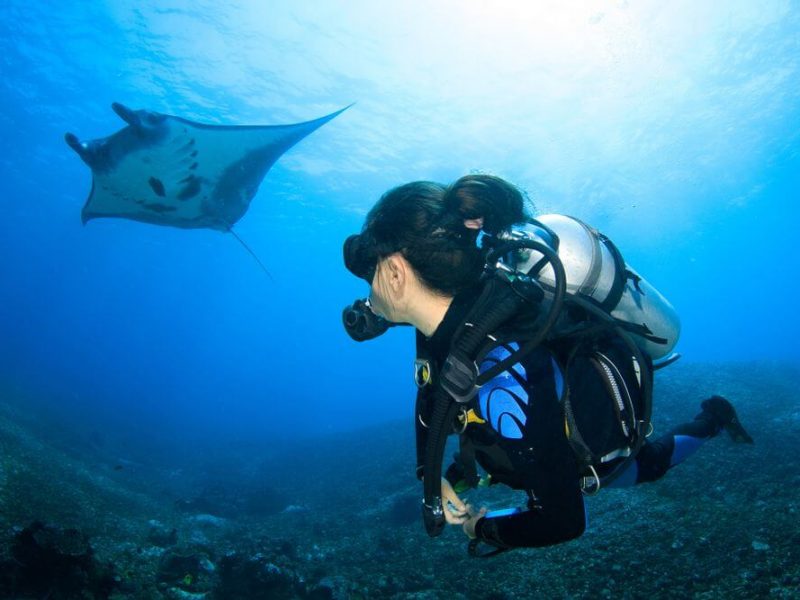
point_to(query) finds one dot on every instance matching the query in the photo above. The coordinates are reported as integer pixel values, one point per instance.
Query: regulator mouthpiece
(361, 323)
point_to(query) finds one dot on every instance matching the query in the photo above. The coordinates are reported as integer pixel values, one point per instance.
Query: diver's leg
(656, 458)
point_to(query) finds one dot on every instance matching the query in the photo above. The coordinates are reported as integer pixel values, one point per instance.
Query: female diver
(562, 400)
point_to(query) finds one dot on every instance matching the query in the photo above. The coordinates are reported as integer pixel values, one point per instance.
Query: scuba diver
(536, 344)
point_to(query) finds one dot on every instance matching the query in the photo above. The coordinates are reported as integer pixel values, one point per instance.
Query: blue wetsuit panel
(559, 379)
(681, 447)
(628, 477)
(684, 446)
(503, 401)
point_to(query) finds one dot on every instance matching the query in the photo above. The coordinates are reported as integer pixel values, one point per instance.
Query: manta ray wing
(167, 170)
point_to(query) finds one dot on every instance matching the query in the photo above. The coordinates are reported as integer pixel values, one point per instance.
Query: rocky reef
(338, 518)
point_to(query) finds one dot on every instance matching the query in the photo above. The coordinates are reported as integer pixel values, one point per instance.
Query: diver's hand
(455, 511)
(472, 520)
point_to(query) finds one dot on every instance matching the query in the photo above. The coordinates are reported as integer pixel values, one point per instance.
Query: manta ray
(167, 170)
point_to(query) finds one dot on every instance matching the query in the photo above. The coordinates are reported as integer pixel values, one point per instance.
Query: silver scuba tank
(595, 269)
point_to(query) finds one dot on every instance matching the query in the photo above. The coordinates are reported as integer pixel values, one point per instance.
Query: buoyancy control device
(574, 266)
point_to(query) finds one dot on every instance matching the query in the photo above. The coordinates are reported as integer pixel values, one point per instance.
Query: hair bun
(497, 202)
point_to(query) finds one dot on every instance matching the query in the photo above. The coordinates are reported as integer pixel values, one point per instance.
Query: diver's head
(424, 233)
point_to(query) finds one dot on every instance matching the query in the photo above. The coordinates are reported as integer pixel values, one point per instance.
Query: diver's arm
(559, 519)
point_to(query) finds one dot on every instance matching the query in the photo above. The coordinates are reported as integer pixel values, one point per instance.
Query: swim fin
(723, 412)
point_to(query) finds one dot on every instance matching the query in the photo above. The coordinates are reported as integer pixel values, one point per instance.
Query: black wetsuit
(522, 441)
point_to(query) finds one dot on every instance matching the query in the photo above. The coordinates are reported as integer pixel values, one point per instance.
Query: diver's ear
(396, 272)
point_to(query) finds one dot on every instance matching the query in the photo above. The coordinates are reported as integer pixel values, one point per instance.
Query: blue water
(673, 129)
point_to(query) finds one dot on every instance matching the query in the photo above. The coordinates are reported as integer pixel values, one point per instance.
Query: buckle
(590, 484)
(458, 378)
(422, 372)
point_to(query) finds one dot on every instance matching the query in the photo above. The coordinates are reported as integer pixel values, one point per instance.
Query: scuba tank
(595, 270)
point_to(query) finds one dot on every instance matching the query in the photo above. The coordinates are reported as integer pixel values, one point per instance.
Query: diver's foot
(723, 412)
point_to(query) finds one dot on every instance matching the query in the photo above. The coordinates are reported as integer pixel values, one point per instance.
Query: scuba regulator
(361, 323)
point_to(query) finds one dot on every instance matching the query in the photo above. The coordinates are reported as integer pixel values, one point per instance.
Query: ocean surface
(191, 428)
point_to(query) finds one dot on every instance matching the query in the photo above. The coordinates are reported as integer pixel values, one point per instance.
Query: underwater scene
(197, 401)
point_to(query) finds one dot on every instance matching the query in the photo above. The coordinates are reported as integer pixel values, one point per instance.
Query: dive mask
(360, 257)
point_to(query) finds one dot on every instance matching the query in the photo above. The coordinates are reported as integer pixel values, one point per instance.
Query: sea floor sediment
(338, 517)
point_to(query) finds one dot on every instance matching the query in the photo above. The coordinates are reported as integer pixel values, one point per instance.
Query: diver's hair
(424, 221)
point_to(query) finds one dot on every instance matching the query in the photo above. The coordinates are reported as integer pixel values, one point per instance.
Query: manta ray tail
(253, 254)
